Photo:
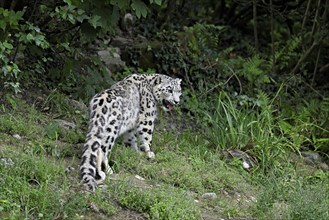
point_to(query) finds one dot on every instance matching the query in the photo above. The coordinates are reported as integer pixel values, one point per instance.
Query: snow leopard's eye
(170, 90)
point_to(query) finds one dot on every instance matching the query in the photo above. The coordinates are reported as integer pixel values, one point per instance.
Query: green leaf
(29, 37)
(158, 2)
(140, 8)
(3, 24)
(7, 45)
(95, 21)
(82, 17)
(71, 18)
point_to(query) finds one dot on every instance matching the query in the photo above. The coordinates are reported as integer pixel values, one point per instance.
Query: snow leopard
(128, 108)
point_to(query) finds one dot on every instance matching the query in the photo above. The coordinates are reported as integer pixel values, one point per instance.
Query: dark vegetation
(255, 81)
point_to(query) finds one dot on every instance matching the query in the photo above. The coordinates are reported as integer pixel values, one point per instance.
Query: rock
(94, 207)
(324, 167)
(121, 41)
(65, 124)
(314, 159)
(112, 59)
(17, 136)
(7, 162)
(247, 161)
(79, 106)
(246, 165)
(127, 23)
(313, 156)
(69, 169)
(139, 178)
(210, 195)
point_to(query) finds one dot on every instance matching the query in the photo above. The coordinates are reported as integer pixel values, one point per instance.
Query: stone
(65, 124)
(247, 161)
(210, 195)
(121, 41)
(112, 59)
(324, 167)
(314, 156)
(314, 159)
(139, 178)
(7, 162)
(246, 165)
(79, 106)
(69, 169)
(17, 136)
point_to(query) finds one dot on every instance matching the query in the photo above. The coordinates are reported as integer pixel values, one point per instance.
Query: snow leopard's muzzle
(167, 105)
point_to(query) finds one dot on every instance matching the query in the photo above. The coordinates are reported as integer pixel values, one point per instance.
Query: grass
(292, 196)
(162, 202)
(34, 183)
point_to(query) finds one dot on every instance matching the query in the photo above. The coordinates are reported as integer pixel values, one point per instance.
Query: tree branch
(255, 25)
(316, 65)
(302, 58)
(306, 14)
(272, 37)
(316, 18)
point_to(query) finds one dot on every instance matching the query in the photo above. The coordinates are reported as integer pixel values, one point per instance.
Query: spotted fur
(128, 108)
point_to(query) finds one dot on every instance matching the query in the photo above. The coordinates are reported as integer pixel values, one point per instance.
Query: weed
(159, 203)
(289, 196)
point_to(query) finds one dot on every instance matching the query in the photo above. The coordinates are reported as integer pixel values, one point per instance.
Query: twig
(306, 14)
(316, 65)
(272, 37)
(302, 58)
(33, 10)
(314, 90)
(255, 25)
(316, 18)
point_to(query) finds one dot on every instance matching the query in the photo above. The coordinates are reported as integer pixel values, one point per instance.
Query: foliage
(291, 197)
(309, 126)
(173, 204)
(236, 125)
(52, 35)
(254, 80)
(187, 165)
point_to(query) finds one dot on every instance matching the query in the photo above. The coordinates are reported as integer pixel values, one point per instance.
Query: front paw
(150, 155)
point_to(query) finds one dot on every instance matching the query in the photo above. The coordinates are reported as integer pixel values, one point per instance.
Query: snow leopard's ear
(178, 81)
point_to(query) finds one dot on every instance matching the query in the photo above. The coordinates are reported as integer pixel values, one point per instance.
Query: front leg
(145, 131)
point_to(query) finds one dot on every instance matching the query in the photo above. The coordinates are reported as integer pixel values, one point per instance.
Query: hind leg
(108, 141)
(88, 168)
(129, 139)
(100, 175)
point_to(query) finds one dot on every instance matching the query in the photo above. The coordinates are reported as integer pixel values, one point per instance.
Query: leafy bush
(47, 44)
(248, 127)
(307, 127)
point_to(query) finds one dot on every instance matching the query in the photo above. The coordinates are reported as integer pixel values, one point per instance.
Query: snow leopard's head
(168, 93)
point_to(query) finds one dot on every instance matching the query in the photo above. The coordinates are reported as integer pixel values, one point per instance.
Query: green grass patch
(36, 186)
(292, 196)
(163, 202)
